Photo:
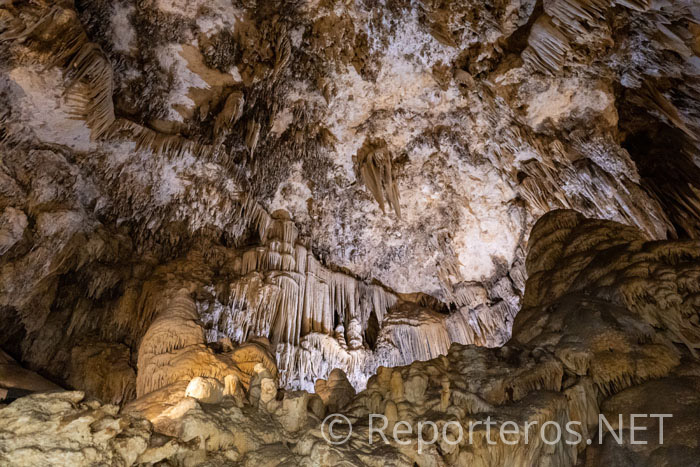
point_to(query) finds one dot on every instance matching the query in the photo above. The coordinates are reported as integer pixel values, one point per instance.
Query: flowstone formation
(241, 202)
(412, 144)
(318, 319)
(609, 326)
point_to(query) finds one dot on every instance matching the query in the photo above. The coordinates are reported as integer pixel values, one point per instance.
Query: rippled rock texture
(594, 337)
(333, 184)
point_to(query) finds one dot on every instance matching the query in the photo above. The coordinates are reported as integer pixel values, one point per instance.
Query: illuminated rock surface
(263, 200)
(580, 347)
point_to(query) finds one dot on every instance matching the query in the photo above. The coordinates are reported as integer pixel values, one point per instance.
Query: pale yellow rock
(391, 414)
(316, 406)
(397, 386)
(268, 390)
(336, 392)
(263, 388)
(536, 378)
(294, 411)
(415, 388)
(206, 390)
(193, 189)
(61, 428)
(445, 394)
(233, 388)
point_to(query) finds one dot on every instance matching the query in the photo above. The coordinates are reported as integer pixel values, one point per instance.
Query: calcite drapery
(581, 347)
(196, 119)
(318, 319)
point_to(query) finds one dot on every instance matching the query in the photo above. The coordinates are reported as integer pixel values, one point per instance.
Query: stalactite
(373, 166)
(252, 136)
(88, 72)
(230, 114)
(638, 5)
(660, 104)
(90, 67)
(547, 46)
(283, 52)
(569, 14)
(316, 318)
(160, 143)
(417, 337)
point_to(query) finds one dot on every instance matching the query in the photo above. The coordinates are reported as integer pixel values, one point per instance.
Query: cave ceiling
(407, 146)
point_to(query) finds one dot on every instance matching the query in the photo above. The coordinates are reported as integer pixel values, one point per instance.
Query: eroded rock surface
(267, 195)
(413, 144)
(580, 347)
(62, 428)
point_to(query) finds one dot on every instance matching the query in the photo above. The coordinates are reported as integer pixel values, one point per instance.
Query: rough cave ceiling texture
(353, 181)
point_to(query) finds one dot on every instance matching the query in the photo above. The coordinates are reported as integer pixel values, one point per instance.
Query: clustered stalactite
(552, 34)
(594, 336)
(656, 90)
(373, 165)
(239, 114)
(88, 75)
(142, 265)
(90, 87)
(317, 318)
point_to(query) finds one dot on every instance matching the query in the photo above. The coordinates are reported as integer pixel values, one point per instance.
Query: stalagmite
(579, 347)
(207, 390)
(174, 358)
(317, 318)
(336, 392)
(234, 388)
(263, 387)
(223, 222)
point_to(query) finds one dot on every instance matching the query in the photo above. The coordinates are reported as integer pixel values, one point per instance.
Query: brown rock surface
(586, 348)
(268, 194)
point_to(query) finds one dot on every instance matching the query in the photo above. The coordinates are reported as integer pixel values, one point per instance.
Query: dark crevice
(372, 331)
(12, 332)
(517, 42)
(668, 174)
